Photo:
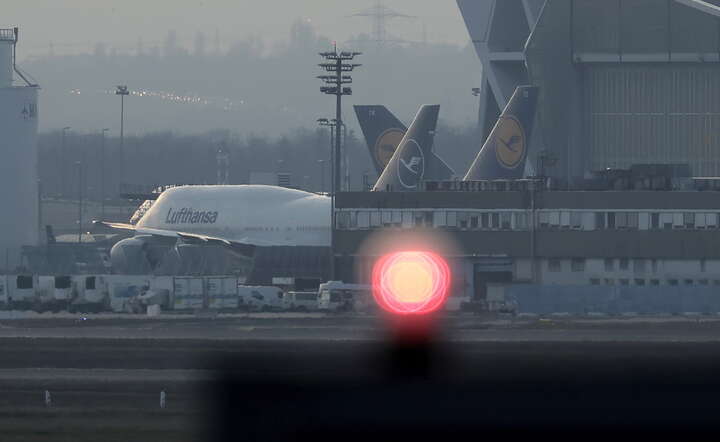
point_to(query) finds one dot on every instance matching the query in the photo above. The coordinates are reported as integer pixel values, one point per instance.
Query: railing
(7, 35)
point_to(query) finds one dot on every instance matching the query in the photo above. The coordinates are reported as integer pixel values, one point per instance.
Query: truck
(336, 296)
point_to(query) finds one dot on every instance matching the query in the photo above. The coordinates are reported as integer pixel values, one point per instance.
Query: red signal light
(411, 283)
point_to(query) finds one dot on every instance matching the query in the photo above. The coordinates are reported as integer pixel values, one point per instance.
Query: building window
(639, 282)
(565, 220)
(639, 266)
(544, 220)
(700, 220)
(655, 221)
(353, 220)
(689, 220)
(578, 265)
(654, 264)
(397, 218)
(609, 265)
(655, 282)
(440, 219)
(711, 220)
(407, 220)
(452, 219)
(666, 219)
(485, 219)
(600, 220)
(689, 282)
(672, 282)
(375, 219)
(621, 220)
(611, 220)
(463, 220)
(554, 265)
(506, 220)
(633, 222)
(363, 220)
(495, 221)
(624, 264)
(554, 220)
(609, 281)
(625, 282)
(429, 218)
(387, 218)
(521, 221)
(703, 282)
(342, 220)
(576, 219)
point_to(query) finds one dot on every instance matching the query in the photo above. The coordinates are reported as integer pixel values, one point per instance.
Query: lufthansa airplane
(240, 218)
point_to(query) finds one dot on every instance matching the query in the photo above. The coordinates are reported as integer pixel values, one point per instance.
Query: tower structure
(380, 16)
(19, 194)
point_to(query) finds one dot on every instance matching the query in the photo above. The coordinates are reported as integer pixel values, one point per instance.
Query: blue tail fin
(414, 161)
(505, 152)
(383, 133)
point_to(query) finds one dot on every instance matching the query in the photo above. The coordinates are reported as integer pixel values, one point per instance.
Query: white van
(301, 301)
(255, 298)
(336, 296)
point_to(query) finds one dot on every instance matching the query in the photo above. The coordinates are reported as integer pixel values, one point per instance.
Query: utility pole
(63, 163)
(338, 68)
(102, 176)
(326, 122)
(122, 91)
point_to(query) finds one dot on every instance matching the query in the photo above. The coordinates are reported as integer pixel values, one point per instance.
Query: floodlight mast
(338, 67)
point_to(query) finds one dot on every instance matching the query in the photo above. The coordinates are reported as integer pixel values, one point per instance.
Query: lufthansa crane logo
(510, 142)
(411, 167)
(386, 145)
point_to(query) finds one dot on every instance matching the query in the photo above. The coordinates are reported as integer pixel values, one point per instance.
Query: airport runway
(105, 373)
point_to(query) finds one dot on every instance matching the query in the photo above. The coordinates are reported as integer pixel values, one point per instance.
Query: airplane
(383, 134)
(240, 218)
(414, 161)
(504, 154)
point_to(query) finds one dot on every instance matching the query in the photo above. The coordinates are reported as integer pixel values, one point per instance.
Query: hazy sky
(76, 25)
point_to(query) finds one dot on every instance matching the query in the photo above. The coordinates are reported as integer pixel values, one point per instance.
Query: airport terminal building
(620, 192)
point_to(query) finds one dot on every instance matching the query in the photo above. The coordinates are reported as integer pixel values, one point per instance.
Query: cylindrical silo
(18, 159)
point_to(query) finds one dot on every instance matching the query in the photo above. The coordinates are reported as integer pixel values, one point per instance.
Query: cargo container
(223, 293)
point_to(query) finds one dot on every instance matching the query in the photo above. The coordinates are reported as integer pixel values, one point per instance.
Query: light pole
(122, 91)
(325, 122)
(338, 69)
(80, 200)
(63, 163)
(322, 175)
(102, 175)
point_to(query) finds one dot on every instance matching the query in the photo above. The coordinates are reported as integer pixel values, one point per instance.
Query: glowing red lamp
(411, 283)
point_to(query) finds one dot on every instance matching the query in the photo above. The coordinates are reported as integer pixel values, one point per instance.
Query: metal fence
(585, 300)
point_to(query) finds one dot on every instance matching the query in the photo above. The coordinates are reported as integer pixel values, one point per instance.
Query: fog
(247, 67)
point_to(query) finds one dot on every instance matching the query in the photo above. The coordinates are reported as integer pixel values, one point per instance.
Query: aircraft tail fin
(414, 161)
(382, 131)
(504, 154)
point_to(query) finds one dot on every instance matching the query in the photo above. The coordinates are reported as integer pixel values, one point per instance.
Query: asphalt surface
(105, 373)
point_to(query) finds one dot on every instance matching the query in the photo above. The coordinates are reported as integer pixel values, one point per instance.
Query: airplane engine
(131, 256)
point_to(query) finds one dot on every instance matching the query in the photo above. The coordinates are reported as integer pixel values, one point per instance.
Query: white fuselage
(259, 215)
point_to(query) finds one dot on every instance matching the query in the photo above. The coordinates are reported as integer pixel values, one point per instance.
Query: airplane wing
(246, 248)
